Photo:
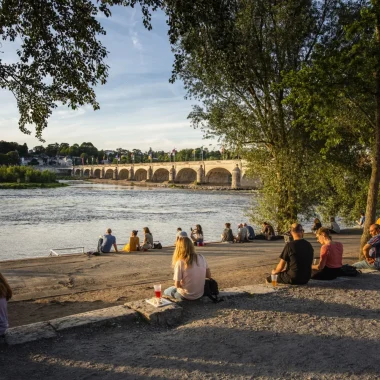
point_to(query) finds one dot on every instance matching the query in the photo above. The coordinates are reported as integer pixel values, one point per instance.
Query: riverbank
(53, 287)
(325, 330)
(188, 186)
(29, 185)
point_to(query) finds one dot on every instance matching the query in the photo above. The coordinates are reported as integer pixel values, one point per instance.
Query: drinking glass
(274, 280)
(315, 262)
(157, 291)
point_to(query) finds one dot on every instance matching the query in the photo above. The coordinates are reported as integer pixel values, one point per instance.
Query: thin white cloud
(138, 107)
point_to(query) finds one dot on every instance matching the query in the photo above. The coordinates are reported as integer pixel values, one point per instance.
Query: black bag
(349, 271)
(157, 245)
(211, 290)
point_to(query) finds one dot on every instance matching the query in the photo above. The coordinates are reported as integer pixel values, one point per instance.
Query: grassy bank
(15, 185)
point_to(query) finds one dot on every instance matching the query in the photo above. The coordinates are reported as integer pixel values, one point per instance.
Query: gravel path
(319, 331)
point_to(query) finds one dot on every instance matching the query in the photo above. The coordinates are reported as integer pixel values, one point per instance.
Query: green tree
(59, 40)
(340, 88)
(233, 58)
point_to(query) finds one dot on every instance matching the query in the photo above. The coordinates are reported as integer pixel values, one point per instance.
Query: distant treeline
(24, 174)
(88, 153)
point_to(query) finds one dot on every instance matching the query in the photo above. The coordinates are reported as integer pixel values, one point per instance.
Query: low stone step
(169, 315)
(95, 317)
(29, 333)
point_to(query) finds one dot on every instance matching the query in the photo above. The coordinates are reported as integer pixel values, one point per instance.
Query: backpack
(349, 271)
(211, 290)
(157, 245)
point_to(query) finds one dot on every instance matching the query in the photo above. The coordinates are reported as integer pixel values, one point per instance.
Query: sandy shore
(325, 330)
(53, 287)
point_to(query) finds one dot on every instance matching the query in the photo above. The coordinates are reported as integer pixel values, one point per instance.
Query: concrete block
(95, 317)
(29, 333)
(164, 316)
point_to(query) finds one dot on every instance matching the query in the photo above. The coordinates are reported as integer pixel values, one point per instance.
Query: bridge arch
(124, 174)
(141, 175)
(186, 175)
(161, 175)
(77, 172)
(86, 172)
(219, 176)
(97, 173)
(108, 174)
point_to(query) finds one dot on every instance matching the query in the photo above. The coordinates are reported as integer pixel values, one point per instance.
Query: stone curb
(95, 317)
(163, 316)
(49, 329)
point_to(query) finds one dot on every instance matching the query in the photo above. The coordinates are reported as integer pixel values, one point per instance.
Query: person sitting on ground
(179, 230)
(361, 220)
(316, 226)
(334, 227)
(250, 232)
(242, 233)
(106, 242)
(148, 240)
(5, 296)
(133, 244)
(197, 235)
(227, 235)
(190, 271)
(330, 260)
(371, 250)
(295, 260)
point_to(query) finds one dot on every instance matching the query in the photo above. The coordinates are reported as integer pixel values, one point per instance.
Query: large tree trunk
(373, 189)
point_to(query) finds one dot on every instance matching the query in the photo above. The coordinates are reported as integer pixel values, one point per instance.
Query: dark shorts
(284, 278)
(326, 274)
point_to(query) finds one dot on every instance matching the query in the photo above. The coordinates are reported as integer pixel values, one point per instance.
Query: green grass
(15, 185)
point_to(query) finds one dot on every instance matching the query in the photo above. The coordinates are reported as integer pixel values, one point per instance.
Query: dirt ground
(54, 287)
(320, 331)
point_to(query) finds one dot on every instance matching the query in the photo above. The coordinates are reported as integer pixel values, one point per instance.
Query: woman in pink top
(330, 260)
(5, 296)
(190, 271)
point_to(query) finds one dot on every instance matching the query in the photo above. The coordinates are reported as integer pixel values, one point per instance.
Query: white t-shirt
(193, 278)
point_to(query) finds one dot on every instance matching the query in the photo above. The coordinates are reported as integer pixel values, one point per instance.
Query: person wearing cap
(133, 244)
(180, 234)
(106, 242)
(295, 260)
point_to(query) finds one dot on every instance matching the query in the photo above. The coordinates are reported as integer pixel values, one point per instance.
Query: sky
(139, 108)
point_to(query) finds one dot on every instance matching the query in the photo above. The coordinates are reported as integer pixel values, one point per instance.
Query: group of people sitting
(196, 235)
(246, 233)
(296, 260)
(333, 227)
(191, 269)
(107, 241)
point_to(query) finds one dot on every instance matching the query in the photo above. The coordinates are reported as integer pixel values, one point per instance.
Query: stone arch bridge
(221, 172)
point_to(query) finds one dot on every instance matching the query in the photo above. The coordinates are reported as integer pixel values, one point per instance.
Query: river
(37, 220)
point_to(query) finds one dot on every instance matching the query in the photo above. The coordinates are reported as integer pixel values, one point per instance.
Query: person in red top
(330, 260)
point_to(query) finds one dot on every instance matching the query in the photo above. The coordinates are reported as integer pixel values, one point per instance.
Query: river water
(37, 220)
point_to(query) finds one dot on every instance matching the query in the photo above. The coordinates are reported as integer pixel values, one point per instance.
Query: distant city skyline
(139, 108)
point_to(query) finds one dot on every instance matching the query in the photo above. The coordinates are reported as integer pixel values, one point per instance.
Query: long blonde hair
(184, 250)
(5, 289)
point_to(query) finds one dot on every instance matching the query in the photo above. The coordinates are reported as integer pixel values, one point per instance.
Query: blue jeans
(172, 292)
(364, 264)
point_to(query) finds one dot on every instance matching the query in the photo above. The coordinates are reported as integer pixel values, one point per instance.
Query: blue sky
(139, 108)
